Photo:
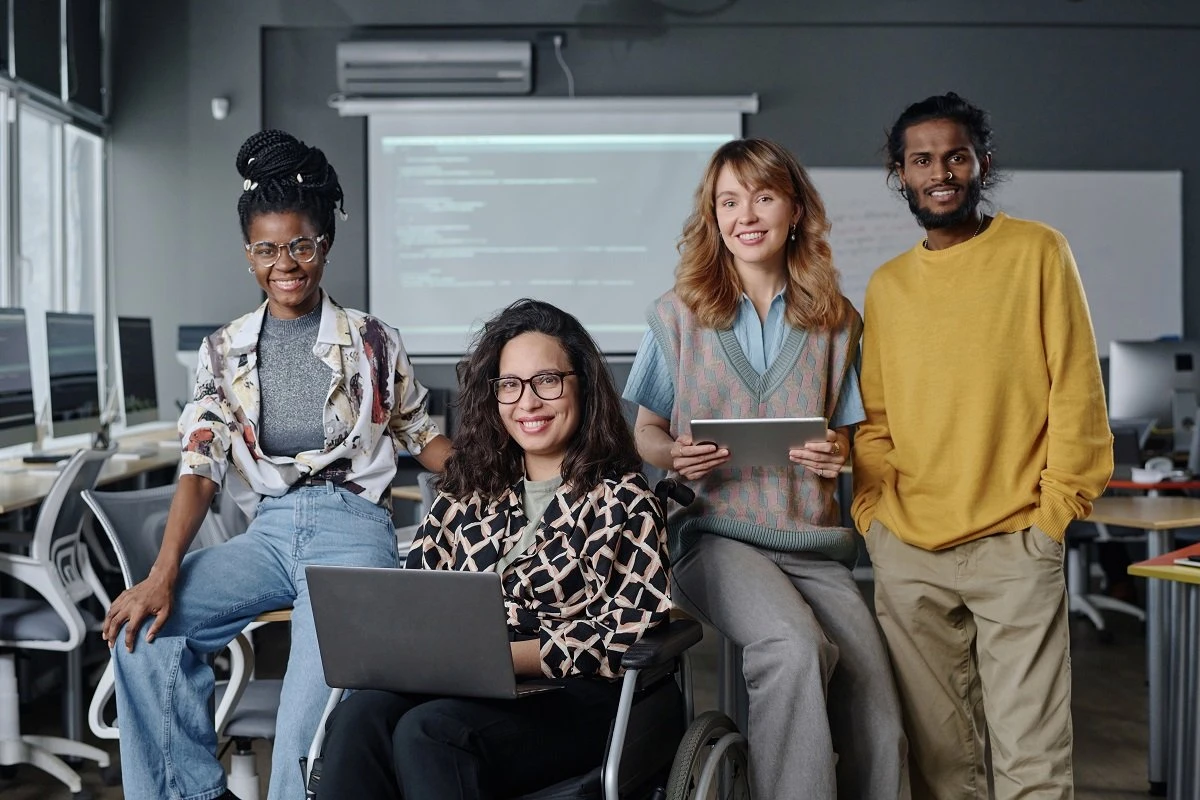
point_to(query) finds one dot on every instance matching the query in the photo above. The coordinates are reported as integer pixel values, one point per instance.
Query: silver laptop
(435, 632)
(759, 442)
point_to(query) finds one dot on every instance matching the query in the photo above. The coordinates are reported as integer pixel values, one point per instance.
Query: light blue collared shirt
(651, 383)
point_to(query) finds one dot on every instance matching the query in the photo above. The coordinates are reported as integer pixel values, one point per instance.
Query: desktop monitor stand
(40, 425)
(102, 438)
(1183, 419)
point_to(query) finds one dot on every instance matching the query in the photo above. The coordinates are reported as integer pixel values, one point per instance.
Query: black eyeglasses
(546, 385)
(302, 250)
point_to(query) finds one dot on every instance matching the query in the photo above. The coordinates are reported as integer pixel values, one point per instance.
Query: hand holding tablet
(694, 460)
(773, 442)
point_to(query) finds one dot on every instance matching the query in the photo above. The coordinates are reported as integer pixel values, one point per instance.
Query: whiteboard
(1125, 230)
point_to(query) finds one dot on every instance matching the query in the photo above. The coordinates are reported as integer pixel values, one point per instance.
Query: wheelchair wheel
(711, 761)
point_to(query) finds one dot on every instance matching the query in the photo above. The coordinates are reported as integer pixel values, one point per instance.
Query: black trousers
(381, 745)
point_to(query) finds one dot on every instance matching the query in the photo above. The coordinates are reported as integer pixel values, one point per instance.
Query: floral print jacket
(374, 404)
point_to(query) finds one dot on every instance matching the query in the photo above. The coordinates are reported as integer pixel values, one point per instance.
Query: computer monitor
(75, 405)
(1143, 377)
(1159, 380)
(135, 370)
(18, 415)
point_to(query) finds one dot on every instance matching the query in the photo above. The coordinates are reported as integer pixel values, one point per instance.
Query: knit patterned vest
(778, 508)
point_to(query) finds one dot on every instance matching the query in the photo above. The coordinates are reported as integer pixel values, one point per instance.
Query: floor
(1109, 714)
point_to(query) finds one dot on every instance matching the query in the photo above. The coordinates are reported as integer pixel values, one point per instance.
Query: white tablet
(759, 442)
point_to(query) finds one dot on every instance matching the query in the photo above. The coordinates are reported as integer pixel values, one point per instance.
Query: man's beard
(932, 220)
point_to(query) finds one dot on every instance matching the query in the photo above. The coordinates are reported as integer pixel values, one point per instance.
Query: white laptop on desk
(437, 632)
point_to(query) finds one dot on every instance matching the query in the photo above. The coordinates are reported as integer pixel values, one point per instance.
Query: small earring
(792, 233)
(250, 269)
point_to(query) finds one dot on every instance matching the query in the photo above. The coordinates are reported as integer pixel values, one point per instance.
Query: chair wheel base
(111, 775)
(1158, 788)
(8, 772)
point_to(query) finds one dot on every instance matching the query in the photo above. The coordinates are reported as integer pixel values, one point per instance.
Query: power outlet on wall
(552, 38)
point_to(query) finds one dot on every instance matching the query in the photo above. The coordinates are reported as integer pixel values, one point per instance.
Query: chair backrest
(57, 540)
(427, 481)
(135, 521)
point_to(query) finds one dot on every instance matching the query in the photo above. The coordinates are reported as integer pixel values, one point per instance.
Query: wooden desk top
(412, 493)
(1160, 486)
(1164, 567)
(24, 485)
(282, 615)
(1147, 513)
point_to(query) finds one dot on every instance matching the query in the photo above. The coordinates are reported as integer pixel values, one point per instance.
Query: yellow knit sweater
(985, 406)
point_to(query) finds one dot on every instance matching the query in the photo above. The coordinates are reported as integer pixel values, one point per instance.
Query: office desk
(25, 485)
(1160, 486)
(1159, 517)
(1182, 773)
(412, 493)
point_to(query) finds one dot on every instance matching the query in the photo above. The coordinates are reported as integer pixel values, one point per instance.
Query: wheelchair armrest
(662, 644)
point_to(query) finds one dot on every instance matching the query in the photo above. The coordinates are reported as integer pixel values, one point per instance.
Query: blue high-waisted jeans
(168, 743)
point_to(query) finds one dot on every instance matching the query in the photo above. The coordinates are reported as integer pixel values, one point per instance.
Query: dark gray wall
(1071, 85)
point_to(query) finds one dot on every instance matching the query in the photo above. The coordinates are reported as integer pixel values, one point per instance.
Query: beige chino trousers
(978, 636)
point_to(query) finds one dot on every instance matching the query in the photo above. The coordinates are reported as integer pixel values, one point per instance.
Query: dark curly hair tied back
(282, 174)
(942, 106)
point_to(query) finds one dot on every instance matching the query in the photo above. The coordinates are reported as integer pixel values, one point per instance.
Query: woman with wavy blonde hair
(707, 279)
(756, 326)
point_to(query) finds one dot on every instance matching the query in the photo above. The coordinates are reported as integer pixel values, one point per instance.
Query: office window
(85, 67)
(4, 37)
(37, 43)
(83, 288)
(39, 239)
(7, 284)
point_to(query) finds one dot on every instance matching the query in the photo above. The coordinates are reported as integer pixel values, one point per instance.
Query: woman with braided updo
(309, 403)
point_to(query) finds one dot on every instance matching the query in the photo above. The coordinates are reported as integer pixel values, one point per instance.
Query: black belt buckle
(313, 480)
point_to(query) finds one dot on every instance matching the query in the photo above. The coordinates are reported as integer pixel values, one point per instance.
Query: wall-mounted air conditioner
(399, 69)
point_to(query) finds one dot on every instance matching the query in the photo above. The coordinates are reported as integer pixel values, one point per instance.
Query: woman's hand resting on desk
(152, 597)
(694, 461)
(824, 458)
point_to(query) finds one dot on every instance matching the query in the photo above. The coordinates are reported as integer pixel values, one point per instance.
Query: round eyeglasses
(546, 385)
(302, 250)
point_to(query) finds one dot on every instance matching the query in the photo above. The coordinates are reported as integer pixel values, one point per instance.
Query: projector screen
(578, 202)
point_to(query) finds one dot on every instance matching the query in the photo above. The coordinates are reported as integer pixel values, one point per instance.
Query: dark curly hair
(950, 106)
(284, 174)
(485, 457)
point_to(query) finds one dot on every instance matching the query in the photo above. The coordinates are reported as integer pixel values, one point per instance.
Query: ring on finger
(837, 449)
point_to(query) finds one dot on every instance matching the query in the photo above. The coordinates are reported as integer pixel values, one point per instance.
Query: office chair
(245, 708)
(59, 571)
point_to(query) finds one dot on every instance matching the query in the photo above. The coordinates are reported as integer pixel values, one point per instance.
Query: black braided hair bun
(278, 155)
(281, 173)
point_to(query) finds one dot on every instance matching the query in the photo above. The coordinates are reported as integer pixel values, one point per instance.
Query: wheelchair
(656, 750)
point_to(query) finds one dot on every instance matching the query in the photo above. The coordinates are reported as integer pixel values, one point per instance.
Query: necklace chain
(982, 219)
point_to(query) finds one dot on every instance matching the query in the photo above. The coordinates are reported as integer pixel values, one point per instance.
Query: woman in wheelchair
(756, 326)
(542, 487)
